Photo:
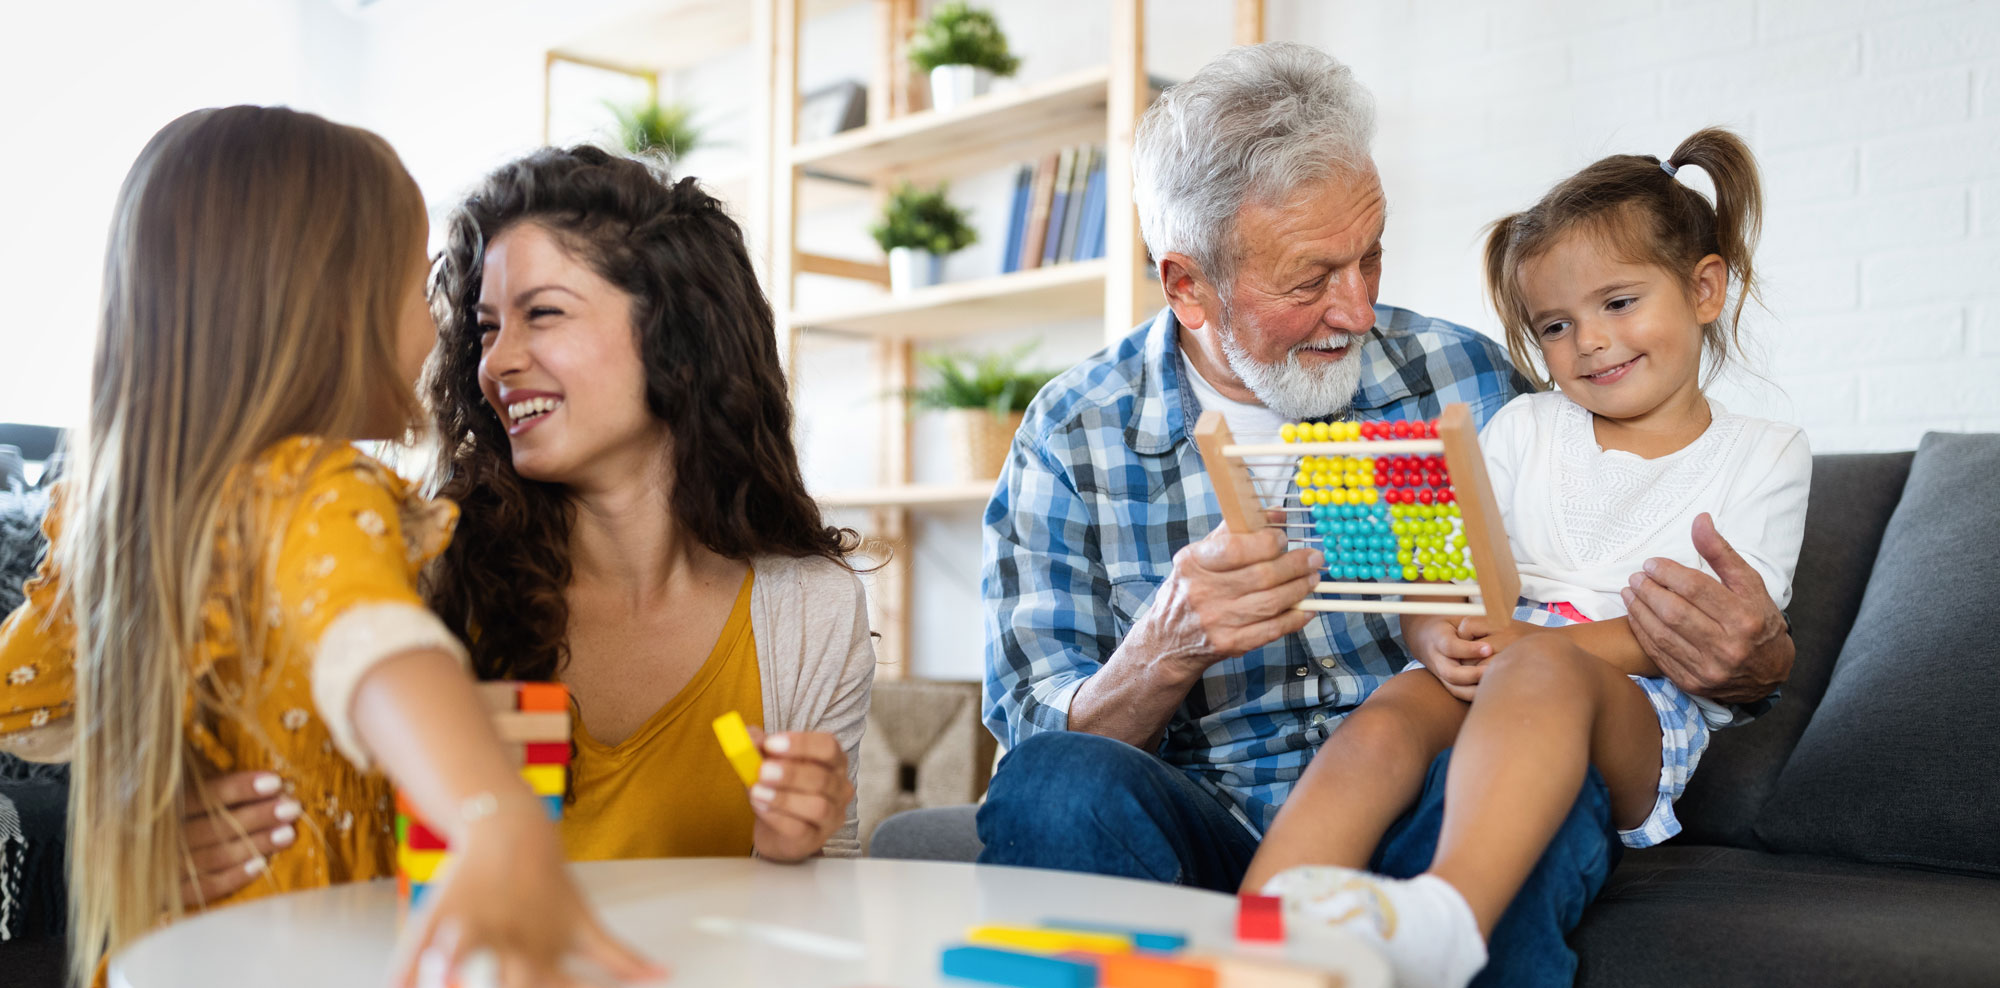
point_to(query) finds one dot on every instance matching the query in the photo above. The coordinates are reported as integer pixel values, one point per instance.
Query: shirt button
(1319, 718)
(1326, 663)
(1300, 671)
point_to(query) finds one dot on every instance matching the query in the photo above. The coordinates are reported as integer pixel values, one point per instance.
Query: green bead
(1458, 541)
(1405, 556)
(1461, 573)
(1409, 572)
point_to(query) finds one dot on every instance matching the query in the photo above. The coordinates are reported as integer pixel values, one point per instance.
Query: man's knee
(1054, 764)
(1079, 802)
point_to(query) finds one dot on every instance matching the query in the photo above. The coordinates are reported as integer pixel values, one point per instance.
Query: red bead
(1368, 430)
(1424, 496)
(1434, 463)
(1446, 496)
(1401, 430)
(1431, 428)
(1435, 478)
(1399, 479)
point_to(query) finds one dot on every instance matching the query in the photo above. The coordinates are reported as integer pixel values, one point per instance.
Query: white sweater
(1582, 519)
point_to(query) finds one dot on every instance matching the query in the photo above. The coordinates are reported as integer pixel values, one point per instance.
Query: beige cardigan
(816, 659)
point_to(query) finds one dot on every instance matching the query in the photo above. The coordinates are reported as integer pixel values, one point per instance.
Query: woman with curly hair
(616, 427)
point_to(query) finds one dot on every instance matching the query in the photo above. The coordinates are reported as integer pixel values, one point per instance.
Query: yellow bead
(1320, 432)
(1351, 479)
(1303, 479)
(1353, 431)
(1367, 494)
(1322, 479)
(1367, 478)
(1336, 496)
(1308, 498)
(1288, 432)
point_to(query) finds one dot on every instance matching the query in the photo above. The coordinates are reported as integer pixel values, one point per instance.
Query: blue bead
(1327, 544)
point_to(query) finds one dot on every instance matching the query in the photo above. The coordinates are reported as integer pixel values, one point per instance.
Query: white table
(722, 922)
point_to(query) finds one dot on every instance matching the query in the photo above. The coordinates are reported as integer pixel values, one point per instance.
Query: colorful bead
(1288, 432)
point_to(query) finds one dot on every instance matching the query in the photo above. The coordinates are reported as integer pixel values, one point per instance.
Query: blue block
(417, 893)
(1018, 970)
(1142, 939)
(554, 806)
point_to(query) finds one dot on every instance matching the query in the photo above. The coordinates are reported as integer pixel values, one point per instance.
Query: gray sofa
(1852, 836)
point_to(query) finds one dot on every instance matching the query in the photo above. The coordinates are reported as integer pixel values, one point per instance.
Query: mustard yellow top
(348, 539)
(667, 791)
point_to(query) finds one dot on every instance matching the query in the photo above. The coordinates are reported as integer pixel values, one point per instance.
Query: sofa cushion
(1898, 764)
(1686, 915)
(1853, 496)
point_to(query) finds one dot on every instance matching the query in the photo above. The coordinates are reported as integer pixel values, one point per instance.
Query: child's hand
(507, 893)
(1499, 637)
(801, 795)
(1457, 662)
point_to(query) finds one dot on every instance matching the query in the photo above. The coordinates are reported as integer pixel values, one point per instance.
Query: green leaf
(923, 219)
(651, 126)
(991, 381)
(959, 34)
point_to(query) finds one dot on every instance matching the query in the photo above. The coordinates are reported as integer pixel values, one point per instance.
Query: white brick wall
(1877, 123)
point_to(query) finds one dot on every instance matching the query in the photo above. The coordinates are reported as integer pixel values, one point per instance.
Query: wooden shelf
(671, 34)
(972, 494)
(1074, 290)
(995, 130)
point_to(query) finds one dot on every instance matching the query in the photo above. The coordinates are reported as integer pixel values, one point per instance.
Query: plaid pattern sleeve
(1104, 485)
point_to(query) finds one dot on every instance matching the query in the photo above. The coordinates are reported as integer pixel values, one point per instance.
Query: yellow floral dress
(337, 587)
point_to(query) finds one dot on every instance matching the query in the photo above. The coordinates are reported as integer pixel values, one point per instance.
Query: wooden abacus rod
(1355, 447)
(1392, 607)
(1405, 589)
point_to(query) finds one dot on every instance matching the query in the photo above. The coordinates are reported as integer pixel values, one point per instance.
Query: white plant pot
(913, 267)
(953, 86)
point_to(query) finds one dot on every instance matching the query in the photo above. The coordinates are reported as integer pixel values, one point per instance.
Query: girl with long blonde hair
(232, 584)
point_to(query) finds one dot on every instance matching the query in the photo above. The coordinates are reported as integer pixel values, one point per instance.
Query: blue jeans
(1079, 802)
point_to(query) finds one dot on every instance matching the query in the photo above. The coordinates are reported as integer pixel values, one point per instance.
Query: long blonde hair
(253, 280)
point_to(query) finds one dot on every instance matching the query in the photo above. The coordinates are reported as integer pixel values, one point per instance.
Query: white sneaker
(1422, 924)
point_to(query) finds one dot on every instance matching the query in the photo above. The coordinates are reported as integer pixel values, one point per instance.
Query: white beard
(1288, 387)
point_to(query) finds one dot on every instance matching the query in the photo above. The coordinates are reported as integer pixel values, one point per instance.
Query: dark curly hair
(709, 345)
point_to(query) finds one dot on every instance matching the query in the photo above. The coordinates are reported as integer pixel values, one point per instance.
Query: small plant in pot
(962, 48)
(666, 128)
(918, 228)
(982, 398)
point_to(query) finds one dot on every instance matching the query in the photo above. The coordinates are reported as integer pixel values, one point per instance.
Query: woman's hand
(507, 892)
(1457, 661)
(229, 851)
(801, 795)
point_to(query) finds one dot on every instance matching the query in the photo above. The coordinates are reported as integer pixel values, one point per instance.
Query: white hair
(1257, 123)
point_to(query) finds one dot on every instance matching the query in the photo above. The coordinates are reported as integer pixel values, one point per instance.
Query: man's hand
(1724, 640)
(1229, 594)
(1226, 595)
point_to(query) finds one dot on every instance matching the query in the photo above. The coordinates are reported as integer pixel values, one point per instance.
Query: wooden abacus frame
(1497, 583)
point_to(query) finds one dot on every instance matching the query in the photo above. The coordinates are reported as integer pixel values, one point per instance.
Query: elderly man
(1158, 692)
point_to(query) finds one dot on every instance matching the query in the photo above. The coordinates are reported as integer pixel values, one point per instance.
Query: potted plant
(982, 399)
(668, 128)
(962, 48)
(918, 228)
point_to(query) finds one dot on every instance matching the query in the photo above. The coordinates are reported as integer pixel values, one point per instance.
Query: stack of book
(1058, 211)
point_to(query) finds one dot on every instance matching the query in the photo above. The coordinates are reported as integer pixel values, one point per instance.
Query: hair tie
(1668, 167)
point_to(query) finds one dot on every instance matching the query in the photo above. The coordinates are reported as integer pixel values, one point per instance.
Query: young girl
(232, 586)
(1618, 280)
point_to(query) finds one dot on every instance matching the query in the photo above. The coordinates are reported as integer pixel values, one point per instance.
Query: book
(1058, 205)
(1017, 220)
(1035, 234)
(1093, 210)
(1076, 210)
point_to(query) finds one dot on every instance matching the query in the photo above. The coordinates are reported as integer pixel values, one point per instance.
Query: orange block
(1145, 971)
(544, 698)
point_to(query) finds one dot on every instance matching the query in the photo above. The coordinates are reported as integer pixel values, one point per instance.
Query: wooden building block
(545, 780)
(545, 753)
(738, 747)
(1047, 941)
(543, 698)
(1243, 972)
(1141, 939)
(420, 866)
(1019, 970)
(532, 728)
(1148, 971)
(1260, 918)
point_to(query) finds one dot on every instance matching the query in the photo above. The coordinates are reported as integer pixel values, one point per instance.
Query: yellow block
(1047, 941)
(737, 746)
(545, 780)
(419, 866)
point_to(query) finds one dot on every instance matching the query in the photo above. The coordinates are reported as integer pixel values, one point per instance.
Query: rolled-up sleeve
(1049, 625)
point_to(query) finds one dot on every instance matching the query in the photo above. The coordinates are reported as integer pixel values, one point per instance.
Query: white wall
(1878, 124)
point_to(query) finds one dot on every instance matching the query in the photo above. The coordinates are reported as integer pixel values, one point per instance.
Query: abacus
(532, 720)
(1400, 509)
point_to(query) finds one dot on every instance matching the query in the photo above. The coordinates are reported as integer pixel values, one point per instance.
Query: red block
(1260, 918)
(420, 838)
(549, 753)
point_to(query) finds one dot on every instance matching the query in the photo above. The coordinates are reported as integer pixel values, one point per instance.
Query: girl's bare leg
(1545, 711)
(1367, 773)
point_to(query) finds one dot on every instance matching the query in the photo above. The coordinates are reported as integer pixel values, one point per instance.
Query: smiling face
(1623, 339)
(1289, 328)
(559, 362)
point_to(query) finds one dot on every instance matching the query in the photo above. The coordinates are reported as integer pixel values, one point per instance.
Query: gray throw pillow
(1901, 763)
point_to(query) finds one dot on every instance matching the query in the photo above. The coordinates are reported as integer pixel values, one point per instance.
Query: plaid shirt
(1104, 484)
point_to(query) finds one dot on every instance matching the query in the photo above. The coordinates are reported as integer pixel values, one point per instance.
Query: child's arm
(1610, 640)
(508, 890)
